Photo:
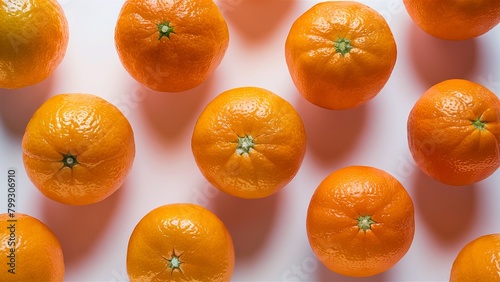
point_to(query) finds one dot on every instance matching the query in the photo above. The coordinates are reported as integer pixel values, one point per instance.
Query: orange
(78, 148)
(33, 41)
(454, 19)
(360, 221)
(171, 46)
(479, 260)
(340, 54)
(249, 142)
(180, 242)
(29, 250)
(454, 132)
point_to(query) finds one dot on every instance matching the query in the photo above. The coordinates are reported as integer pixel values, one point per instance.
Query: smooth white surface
(269, 234)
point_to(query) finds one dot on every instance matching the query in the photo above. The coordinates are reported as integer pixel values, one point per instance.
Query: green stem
(478, 124)
(365, 222)
(165, 29)
(245, 144)
(69, 160)
(175, 262)
(343, 46)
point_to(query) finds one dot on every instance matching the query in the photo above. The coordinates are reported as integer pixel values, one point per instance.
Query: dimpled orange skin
(87, 132)
(337, 237)
(180, 242)
(176, 62)
(479, 260)
(454, 19)
(324, 70)
(454, 132)
(33, 41)
(38, 253)
(249, 142)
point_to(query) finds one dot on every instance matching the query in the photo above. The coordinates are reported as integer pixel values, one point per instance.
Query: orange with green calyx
(180, 242)
(360, 221)
(340, 54)
(171, 46)
(78, 148)
(454, 132)
(249, 142)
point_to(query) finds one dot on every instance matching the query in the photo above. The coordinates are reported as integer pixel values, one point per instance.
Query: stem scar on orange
(454, 132)
(171, 46)
(33, 40)
(78, 148)
(180, 242)
(360, 221)
(249, 142)
(340, 54)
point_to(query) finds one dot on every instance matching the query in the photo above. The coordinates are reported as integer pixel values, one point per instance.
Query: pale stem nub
(343, 46)
(69, 160)
(365, 222)
(478, 124)
(165, 29)
(245, 144)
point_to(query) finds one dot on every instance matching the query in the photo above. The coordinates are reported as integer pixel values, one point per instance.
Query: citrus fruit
(33, 41)
(29, 250)
(454, 132)
(454, 19)
(360, 221)
(340, 54)
(479, 260)
(249, 142)
(180, 242)
(171, 46)
(78, 148)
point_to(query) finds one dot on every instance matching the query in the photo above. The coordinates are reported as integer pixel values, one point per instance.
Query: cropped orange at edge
(454, 132)
(249, 142)
(478, 260)
(37, 256)
(78, 148)
(180, 242)
(454, 19)
(34, 39)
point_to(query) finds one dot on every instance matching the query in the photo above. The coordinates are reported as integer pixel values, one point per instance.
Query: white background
(269, 234)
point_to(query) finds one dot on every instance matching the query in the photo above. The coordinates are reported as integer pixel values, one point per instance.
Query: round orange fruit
(180, 242)
(479, 260)
(249, 142)
(171, 46)
(340, 54)
(454, 132)
(78, 148)
(33, 41)
(29, 250)
(360, 221)
(454, 19)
